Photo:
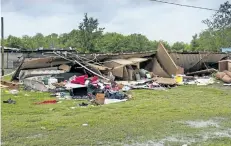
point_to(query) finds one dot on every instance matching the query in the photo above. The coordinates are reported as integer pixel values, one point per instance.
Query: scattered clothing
(92, 90)
(94, 80)
(79, 80)
(83, 104)
(47, 102)
(10, 101)
(72, 85)
(114, 95)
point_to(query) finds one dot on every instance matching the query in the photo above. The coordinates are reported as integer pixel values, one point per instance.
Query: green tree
(166, 44)
(194, 43)
(51, 41)
(221, 19)
(178, 46)
(89, 33)
(187, 47)
(111, 42)
(219, 26)
(74, 39)
(39, 40)
(27, 42)
(13, 42)
(153, 45)
(138, 43)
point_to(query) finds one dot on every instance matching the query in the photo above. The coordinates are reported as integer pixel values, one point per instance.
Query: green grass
(6, 78)
(150, 115)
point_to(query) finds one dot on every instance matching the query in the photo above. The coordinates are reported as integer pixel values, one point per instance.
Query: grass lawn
(197, 115)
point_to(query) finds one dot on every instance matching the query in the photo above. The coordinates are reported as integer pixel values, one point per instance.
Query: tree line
(90, 38)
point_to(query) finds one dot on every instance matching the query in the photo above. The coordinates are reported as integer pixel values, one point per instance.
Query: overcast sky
(155, 20)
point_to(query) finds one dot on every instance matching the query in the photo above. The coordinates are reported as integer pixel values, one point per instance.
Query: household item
(179, 79)
(45, 81)
(67, 75)
(224, 65)
(60, 79)
(148, 76)
(143, 73)
(52, 80)
(65, 67)
(137, 77)
(100, 98)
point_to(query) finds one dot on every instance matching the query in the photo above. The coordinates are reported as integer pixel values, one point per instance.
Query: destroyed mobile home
(105, 78)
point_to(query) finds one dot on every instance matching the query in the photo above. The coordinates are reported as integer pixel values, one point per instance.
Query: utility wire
(184, 5)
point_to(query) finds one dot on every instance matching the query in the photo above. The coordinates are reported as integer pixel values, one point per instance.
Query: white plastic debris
(14, 91)
(204, 81)
(109, 101)
(101, 85)
(126, 88)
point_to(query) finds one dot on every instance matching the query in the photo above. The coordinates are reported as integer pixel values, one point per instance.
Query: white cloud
(156, 21)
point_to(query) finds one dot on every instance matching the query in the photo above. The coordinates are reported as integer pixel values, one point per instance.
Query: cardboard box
(100, 98)
(229, 66)
(224, 65)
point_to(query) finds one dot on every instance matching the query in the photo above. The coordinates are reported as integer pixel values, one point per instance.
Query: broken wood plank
(212, 70)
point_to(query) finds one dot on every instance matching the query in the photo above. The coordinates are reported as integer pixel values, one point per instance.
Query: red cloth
(47, 102)
(94, 79)
(79, 79)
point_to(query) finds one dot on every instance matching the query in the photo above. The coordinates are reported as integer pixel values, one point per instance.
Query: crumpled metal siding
(194, 62)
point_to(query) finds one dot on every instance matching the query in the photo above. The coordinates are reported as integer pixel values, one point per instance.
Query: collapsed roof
(160, 63)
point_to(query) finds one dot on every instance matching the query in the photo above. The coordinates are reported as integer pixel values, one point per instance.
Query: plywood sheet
(130, 74)
(137, 60)
(122, 61)
(125, 74)
(158, 70)
(117, 69)
(165, 81)
(99, 67)
(166, 61)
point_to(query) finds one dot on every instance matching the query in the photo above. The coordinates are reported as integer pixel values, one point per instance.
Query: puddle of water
(35, 136)
(185, 141)
(189, 139)
(202, 124)
(217, 134)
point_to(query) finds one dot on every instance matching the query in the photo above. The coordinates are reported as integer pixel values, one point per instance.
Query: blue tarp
(225, 50)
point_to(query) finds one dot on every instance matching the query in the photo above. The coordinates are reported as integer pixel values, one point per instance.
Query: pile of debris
(224, 73)
(105, 79)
